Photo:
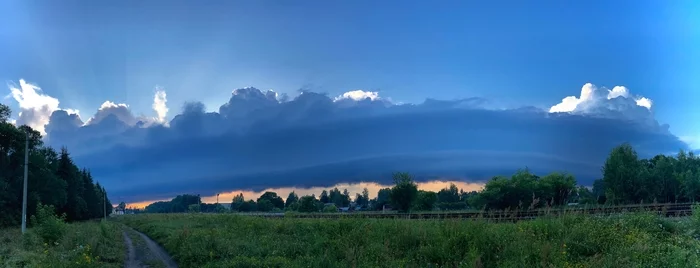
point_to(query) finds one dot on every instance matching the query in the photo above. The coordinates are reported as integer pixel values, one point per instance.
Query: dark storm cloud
(259, 140)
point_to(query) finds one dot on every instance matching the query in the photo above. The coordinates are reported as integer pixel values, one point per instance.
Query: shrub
(330, 208)
(47, 225)
(696, 219)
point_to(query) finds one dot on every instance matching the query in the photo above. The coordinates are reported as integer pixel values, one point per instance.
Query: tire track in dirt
(142, 251)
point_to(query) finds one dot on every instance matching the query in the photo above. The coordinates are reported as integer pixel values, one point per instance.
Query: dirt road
(142, 251)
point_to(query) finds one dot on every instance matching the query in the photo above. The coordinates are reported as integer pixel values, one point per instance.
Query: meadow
(229, 240)
(78, 244)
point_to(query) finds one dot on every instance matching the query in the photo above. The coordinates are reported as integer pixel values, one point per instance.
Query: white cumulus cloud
(358, 95)
(160, 104)
(592, 97)
(119, 110)
(35, 106)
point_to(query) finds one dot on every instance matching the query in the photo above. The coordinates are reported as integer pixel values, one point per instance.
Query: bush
(330, 208)
(47, 225)
(696, 219)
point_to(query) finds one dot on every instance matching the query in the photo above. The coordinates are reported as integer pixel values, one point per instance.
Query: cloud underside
(261, 139)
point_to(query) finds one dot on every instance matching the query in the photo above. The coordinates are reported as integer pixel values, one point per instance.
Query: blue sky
(535, 54)
(510, 52)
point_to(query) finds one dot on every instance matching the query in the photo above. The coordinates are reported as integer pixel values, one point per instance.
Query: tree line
(53, 178)
(626, 179)
(183, 203)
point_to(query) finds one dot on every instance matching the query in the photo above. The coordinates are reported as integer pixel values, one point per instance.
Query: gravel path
(142, 251)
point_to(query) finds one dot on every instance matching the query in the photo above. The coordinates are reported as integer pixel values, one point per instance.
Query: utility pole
(26, 171)
(217, 198)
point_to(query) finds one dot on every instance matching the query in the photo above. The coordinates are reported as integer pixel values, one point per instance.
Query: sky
(146, 62)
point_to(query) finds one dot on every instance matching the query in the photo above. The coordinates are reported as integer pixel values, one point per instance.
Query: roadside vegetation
(230, 240)
(50, 242)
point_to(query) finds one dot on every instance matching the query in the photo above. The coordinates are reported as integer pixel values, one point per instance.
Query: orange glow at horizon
(353, 188)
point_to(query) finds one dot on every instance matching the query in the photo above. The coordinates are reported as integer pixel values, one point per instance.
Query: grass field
(83, 244)
(226, 240)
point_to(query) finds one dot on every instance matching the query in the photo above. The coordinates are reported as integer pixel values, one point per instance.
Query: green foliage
(265, 205)
(425, 200)
(47, 225)
(292, 199)
(627, 179)
(5, 113)
(193, 208)
(338, 198)
(621, 175)
(330, 208)
(324, 197)
(179, 204)
(237, 201)
(248, 206)
(226, 240)
(383, 198)
(307, 203)
(53, 178)
(555, 188)
(404, 192)
(274, 200)
(83, 244)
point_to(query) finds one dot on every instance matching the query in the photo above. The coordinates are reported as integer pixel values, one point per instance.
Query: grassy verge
(83, 244)
(225, 240)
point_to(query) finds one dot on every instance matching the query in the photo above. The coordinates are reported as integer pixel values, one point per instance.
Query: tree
(360, 200)
(265, 205)
(555, 188)
(324, 197)
(181, 203)
(448, 195)
(383, 198)
(425, 200)
(237, 201)
(365, 195)
(54, 180)
(307, 203)
(5, 113)
(404, 192)
(599, 191)
(76, 207)
(159, 207)
(450, 198)
(346, 198)
(194, 208)
(91, 198)
(291, 199)
(621, 175)
(338, 198)
(690, 185)
(248, 206)
(275, 200)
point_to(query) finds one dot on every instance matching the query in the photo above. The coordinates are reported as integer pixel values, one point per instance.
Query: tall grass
(80, 244)
(225, 240)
